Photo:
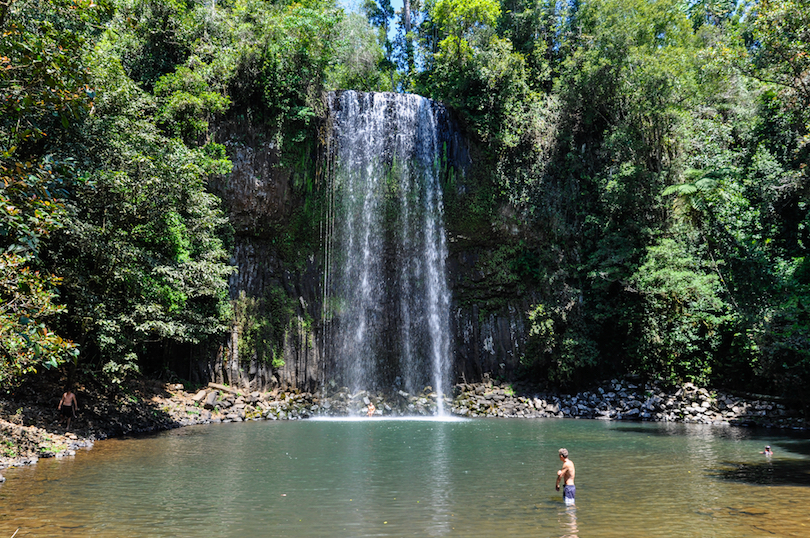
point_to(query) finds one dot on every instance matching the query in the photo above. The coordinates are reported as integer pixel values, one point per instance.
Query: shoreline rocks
(624, 400)
(34, 431)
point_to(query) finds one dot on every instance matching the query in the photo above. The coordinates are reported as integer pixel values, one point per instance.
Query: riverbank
(626, 400)
(30, 427)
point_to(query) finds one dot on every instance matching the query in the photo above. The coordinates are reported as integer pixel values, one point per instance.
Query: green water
(472, 478)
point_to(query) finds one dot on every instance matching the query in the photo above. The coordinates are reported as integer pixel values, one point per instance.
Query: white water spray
(386, 286)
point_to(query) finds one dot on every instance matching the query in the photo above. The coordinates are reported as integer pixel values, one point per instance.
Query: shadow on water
(797, 446)
(769, 473)
(671, 429)
(793, 441)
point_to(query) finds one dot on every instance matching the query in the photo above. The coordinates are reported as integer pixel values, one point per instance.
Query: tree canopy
(650, 158)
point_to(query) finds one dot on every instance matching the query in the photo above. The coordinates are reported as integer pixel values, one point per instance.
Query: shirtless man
(67, 406)
(566, 475)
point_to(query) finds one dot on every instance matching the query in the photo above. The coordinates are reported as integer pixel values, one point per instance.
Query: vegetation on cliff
(641, 164)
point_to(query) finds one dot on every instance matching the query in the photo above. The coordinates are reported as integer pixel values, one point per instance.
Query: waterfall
(386, 298)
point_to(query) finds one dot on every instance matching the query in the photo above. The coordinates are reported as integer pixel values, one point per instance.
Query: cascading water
(387, 301)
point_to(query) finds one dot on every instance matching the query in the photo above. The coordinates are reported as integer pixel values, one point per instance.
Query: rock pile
(24, 445)
(219, 403)
(619, 400)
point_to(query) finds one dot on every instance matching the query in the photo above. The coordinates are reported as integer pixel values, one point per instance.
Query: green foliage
(187, 104)
(119, 370)
(157, 36)
(30, 212)
(639, 165)
(467, 26)
(142, 252)
(379, 14)
(782, 52)
(784, 363)
(43, 82)
(360, 61)
(282, 66)
(264, 324)
(684, 314)
(43, 90)
(557, 349)
(458, 18)
(27, 345)
(541, 340)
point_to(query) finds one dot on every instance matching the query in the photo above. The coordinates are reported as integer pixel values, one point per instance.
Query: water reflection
(769, 472)
(679, 429)
(567, 518)
(440, 482)
(797, 446)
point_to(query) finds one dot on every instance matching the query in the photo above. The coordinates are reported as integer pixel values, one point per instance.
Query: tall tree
(44, 90)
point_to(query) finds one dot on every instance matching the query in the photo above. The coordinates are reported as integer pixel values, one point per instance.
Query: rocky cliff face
(486, 339)
(257, 192)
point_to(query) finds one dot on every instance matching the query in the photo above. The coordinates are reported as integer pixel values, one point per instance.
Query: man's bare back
(566, 476)
(567, 472)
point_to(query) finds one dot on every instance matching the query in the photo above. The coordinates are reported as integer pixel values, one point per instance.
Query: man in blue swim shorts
(566, 476)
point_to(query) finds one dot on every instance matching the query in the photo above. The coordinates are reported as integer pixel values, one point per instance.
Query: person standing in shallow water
(566, 476)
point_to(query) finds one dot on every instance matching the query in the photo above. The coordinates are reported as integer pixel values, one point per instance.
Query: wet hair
(564, 452)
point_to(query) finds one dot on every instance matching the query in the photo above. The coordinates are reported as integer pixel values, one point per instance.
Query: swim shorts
(569, 492)
(67, 411)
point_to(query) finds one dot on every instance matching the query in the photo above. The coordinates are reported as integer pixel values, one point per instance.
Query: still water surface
(375, 477)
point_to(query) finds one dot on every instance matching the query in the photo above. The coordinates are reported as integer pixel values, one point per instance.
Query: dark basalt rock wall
(260, 200)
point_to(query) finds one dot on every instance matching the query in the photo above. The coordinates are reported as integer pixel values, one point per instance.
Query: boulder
(210, 400)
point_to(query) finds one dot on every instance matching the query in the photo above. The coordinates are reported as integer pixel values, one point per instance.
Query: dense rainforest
(640, 165)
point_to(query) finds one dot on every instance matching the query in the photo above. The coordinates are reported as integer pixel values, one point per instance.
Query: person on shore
(767, 451)
(371, 409)
(566, 476)
(67, 406)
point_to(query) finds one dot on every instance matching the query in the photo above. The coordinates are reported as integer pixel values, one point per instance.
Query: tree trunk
(406, 21)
